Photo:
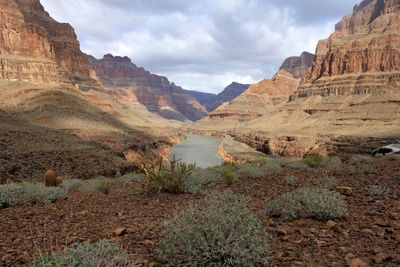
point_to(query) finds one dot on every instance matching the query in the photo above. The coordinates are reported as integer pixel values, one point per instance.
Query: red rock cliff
(33, 46)
(362, 56)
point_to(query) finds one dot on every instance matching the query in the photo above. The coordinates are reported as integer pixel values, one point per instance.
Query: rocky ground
(370, 236)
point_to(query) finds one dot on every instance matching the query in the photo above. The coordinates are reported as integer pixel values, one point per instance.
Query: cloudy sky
(205, 44)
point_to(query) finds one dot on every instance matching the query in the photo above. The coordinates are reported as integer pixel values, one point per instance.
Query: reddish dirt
(371, 232)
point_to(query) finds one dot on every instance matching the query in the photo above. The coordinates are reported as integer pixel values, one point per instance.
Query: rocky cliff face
(128, 82)
(212, 101)
(298, 66)
(362, 56)
(258, 99)
(34, 47)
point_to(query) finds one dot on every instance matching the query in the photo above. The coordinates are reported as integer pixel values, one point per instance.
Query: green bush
(99, 185)
(222, 231)
(129, 178)
(313, 161)
(291, 180)
(307, 202)
(228, 173)
(39, 193)
(9, 194)
(328, 182)
(171, 179)
(332, 164)
(99, 254)
(379, 191)
(361, 159)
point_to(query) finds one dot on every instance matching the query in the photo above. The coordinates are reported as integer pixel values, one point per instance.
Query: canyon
(57, 102)
(346, 99)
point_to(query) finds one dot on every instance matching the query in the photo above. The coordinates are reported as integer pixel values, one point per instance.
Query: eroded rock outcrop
(298, 66)
(34, 47)
(259, 98)
(362, 56)
(128, 82)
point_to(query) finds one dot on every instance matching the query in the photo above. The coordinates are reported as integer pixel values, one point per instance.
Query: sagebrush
(221, 231)
(99, 254)
(308, 202)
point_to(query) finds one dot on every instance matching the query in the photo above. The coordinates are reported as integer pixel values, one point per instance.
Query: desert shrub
(228, 173)
(99, 254)
(313, 161)
(247, 171)
(291, 180)
(328, 182)
(272, 167)
(222, 231)
(173, 178)
(130, 178)
(361, 159)
(9, 194)
(39, 193)
(379, 191)
(69, 184)
(318, 203)
(99, 185)
(202, 176)
(300, 165)
(332, 164)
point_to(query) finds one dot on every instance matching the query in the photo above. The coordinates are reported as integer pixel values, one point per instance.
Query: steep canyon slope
(53, 114)
(351, 92)
(127, 82)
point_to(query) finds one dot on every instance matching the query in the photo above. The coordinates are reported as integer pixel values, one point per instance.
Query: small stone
(281, 231)
(344, 190)
(357, 262)
(367, 231)
(382, 223)
(381, 257)
(331, 224)
(120, 231)
(380, 232)
(148, 243)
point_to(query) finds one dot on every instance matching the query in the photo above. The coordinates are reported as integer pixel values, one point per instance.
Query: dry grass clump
(129, 178)
(10, 194)
(38, 193)
(328, 182)
(99, 185)
(221, 231)
(379, 191)
(361, 159)
(101, 253)
(332, 165)
(308, 202)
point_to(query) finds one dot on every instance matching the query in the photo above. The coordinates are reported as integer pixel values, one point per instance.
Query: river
(202, 150)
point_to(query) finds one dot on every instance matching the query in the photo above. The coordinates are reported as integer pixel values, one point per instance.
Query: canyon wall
(35, 47)
(126, 81)
(362, 56)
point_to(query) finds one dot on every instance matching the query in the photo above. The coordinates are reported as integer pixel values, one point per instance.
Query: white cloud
(205, 44)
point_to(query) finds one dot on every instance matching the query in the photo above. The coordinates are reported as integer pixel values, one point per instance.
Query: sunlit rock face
(34, 47)
(124, 79)
(362, 56)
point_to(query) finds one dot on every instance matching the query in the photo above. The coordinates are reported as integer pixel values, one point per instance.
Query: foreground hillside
(369, 235)
(53, 114)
